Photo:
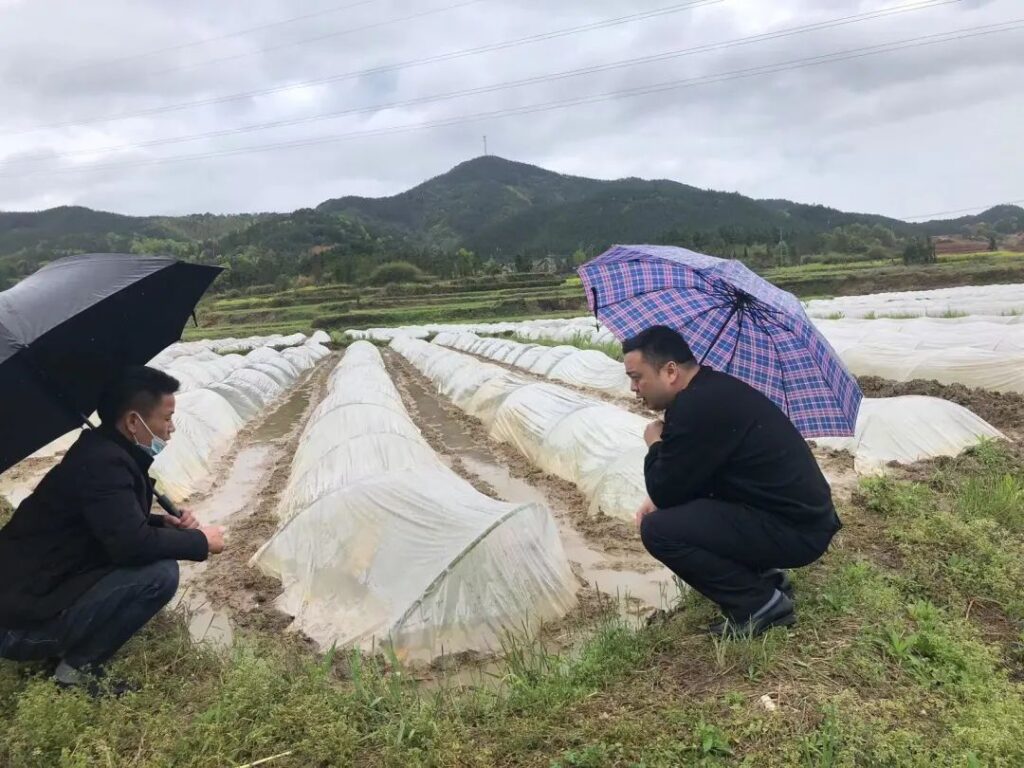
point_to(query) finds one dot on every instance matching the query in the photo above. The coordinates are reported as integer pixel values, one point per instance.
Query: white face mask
(156, 445)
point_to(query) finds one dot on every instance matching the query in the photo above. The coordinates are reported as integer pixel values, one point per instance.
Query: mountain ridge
(494, 207)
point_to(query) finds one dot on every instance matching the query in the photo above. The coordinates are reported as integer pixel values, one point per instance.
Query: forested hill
(498, 210)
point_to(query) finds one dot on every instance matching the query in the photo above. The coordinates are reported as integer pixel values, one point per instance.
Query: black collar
(698, 375)
(143, 459)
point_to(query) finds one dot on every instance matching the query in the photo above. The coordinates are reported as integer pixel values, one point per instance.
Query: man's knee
(164, 576)
(658, 535)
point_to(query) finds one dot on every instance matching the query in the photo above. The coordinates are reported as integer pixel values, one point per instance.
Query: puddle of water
(507, 487)
(239, 490)
(280, 422)
(635, 591)
(234, 496)
(205, 625)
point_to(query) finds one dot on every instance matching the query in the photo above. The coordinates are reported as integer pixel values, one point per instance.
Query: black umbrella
(67, 328)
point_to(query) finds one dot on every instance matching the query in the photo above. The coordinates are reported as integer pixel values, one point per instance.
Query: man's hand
(187, 521)
(643, 510)
(214, 538)
(652, 434)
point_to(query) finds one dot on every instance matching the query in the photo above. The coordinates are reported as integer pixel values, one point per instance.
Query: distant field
(339, 307)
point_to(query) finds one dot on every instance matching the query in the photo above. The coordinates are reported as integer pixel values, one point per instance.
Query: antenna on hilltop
(485, 146)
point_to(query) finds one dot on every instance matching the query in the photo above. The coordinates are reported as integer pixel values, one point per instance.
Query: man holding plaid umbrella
(734, 492)
(744, 378)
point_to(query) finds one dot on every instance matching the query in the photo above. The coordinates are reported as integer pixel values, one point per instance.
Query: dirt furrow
(610, 534)
(227, 580)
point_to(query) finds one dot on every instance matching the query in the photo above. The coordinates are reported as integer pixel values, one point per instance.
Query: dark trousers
(720, 549)
(96, 625)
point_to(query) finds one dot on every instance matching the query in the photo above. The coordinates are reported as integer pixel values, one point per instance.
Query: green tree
(579, 258)
(992, 244)
(395, 272)
(466, 262)
(919, 252)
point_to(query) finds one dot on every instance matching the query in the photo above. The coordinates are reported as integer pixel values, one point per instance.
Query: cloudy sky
(148, 106)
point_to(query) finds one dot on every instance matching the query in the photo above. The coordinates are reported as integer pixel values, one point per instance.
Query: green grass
(907, 654)
(963, 530)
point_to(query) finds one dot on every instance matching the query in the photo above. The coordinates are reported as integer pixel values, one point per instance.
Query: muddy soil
(1003, 410)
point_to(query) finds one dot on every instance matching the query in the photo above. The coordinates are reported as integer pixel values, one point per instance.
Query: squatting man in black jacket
(83, 562)
(734, 493)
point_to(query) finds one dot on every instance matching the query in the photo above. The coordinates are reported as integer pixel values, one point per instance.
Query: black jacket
(88, 516)
(725, 440)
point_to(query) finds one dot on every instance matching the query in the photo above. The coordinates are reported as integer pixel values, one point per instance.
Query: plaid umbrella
(734, 321)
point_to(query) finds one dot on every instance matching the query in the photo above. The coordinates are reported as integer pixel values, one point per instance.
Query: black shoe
(782, 582)
(781, 614)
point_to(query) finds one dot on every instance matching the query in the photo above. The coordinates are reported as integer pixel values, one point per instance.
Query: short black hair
(659, 345)
(137, 388)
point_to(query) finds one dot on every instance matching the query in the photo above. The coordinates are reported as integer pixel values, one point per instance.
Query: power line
(855, 53)
(448, 56)
(318, 38)
(736, 42)
(936, 214)
(217, 39)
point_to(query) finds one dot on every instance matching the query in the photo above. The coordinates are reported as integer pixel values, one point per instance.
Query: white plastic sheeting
(587, 368)
(984, 350)
(568, 330)
(996, 371)
(1006, 301)
(975, 353)
(209, 417)
(908, 429)
(902, 430)
(205, 424)
(927, 333)
(381, 542)
(594, 445)
(232, 345)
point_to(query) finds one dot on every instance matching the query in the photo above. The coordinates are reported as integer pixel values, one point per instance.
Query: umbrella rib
(735, 308)
(782, 378)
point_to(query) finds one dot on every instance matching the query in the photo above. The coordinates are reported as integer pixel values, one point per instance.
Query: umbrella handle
(168, 505)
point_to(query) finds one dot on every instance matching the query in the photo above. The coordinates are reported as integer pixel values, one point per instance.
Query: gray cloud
(911, 131)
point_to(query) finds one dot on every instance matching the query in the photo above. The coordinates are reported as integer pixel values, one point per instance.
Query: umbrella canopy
(67, 328)
(734, 321)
